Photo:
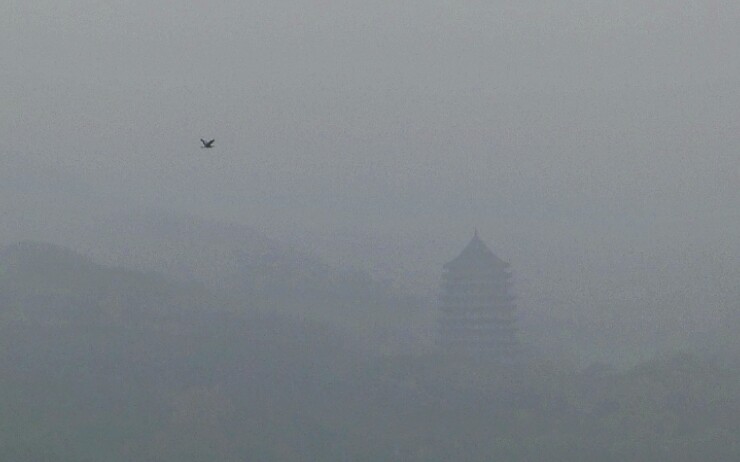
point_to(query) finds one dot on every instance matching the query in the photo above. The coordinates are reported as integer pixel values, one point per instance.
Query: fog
(592, 144)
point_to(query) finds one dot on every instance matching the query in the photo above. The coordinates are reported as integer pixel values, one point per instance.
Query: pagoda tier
(478, 313)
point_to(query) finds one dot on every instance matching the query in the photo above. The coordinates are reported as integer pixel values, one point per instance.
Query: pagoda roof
(476, 255)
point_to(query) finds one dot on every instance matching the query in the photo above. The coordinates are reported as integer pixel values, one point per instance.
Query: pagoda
(477, 310)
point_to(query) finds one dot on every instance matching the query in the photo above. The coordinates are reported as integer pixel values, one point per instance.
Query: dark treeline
(104, 363)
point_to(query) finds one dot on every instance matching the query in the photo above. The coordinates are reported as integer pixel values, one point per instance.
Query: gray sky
(599, 135)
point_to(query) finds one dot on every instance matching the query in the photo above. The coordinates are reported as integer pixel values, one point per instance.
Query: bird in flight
(207, 144)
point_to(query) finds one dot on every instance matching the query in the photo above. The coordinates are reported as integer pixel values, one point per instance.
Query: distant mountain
(257, 270)
(46, 284)
(242, 263)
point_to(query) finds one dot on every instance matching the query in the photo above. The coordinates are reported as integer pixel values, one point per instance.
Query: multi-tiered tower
(478, 313)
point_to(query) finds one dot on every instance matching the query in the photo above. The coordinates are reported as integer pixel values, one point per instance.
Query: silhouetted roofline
(476, 254)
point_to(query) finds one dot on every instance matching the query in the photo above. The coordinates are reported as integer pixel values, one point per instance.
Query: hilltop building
(477, 310)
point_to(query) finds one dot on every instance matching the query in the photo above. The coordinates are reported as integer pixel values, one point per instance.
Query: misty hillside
(249, 272)
(240, 262)
(104, 363)
(46, 284)
(249, 265)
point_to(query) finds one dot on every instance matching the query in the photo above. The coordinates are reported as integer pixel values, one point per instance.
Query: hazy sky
(589, 130)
